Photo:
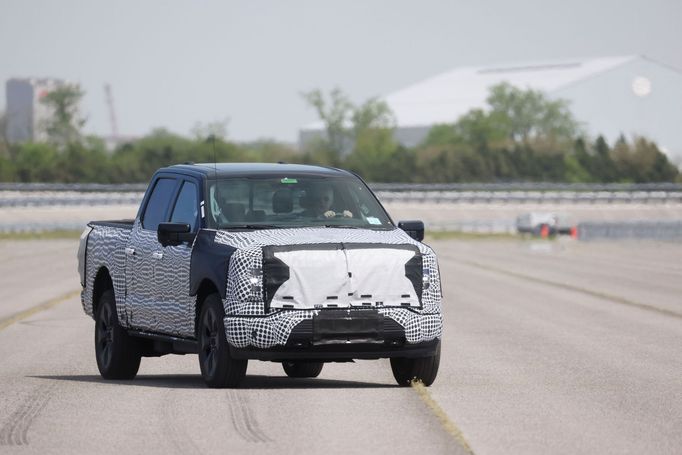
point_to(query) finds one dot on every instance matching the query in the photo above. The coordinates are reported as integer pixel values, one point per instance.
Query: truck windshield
(299, 201)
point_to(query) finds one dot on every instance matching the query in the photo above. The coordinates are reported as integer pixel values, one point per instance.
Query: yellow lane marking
(6, 322)
(448, 425)
(570, 287)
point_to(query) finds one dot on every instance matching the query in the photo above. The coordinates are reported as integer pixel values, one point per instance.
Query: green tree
(528, 114)
(4, 143)
(217, 129)
(64, 124)
(335, 113)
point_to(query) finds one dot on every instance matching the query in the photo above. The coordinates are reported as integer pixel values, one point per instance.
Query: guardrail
(391, 187)
(542, 197)
(651, 230)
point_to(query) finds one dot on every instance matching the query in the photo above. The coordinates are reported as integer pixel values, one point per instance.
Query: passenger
(319, 203)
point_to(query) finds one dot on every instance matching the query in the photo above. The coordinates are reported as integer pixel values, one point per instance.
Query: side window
(158, 203)
(185, 210)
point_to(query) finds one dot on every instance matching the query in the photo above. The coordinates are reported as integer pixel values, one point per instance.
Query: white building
(611, 96)
(25, 113)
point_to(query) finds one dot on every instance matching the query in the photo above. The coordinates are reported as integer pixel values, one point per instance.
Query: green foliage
(64, 125)
(523, 137)
(335, 113)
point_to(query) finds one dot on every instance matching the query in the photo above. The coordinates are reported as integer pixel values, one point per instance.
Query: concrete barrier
(653, 230)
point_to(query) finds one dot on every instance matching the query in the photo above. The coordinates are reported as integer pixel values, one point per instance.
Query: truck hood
(314, 268)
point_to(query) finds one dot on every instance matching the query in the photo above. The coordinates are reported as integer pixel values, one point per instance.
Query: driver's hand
(347, 214)
(329, 214)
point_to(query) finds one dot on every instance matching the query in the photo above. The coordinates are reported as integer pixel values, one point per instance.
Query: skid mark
(448, 424)
(15, 431)
(178, 435)
(243, 420)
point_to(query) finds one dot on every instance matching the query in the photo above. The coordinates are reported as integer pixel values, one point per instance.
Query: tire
(422, 369)
(302, 369)
(118, 356)
(218, 369)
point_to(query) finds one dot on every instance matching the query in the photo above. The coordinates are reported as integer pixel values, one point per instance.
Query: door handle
(157, 255)
(130, 251)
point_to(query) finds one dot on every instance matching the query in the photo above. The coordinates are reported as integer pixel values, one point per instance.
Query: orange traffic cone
(544, 231)
(574, 232)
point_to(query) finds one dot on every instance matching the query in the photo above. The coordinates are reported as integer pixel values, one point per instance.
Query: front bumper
(338, 353)
(399, 328)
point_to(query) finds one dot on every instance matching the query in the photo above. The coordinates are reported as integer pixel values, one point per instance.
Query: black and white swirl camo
(151, 282)
(273, 328)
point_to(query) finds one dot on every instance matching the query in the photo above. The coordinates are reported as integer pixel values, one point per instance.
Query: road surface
(549, 347)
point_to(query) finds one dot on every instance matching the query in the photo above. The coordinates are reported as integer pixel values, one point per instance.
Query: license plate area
(347, 326)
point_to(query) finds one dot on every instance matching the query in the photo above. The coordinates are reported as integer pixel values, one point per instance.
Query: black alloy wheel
(218, 368)
(117, 353)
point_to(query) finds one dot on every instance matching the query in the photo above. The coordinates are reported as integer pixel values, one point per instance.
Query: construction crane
(112, 113)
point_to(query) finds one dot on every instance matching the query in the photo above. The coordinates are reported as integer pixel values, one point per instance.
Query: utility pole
(112, 113)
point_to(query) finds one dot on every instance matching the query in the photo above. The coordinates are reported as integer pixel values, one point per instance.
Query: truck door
(143, 254)
(171, 272)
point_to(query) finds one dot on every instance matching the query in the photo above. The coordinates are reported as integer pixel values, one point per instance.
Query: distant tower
(26, 115)
(112, 114)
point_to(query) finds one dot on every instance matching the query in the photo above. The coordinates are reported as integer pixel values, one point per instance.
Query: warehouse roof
(447, 96)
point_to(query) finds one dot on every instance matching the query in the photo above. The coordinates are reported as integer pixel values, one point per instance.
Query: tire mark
(243, 419)
(181, 439)
(15, 431)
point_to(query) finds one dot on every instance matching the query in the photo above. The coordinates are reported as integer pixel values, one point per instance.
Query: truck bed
(125, 224)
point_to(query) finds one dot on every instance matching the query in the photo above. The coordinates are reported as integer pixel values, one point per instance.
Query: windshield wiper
(344, 226)
(251, 226)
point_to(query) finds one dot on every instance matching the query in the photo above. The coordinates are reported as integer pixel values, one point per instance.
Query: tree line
(521, 136)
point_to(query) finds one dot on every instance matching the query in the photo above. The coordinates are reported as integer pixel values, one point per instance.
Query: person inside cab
(319, 203)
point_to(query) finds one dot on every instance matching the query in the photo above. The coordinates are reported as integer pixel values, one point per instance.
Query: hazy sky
(175, 63)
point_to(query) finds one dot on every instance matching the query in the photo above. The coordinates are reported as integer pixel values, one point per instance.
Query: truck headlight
(426, 279)
(255, 282)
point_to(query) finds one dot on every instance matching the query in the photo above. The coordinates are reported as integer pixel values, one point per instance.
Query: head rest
(282, 201)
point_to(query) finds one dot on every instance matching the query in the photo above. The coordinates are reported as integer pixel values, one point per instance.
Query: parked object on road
(287, 263)
(543, 224)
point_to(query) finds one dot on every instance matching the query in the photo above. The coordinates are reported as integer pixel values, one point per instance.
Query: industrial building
(631, 95)
(25, 113)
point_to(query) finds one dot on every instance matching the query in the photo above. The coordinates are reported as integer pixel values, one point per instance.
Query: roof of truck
(223, 170)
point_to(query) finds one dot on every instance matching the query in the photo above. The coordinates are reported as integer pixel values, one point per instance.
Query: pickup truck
(288, 263)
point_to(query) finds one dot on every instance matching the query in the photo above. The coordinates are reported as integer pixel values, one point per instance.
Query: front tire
(218, 368)
(118, 356)
(422, 369)
(302, 369)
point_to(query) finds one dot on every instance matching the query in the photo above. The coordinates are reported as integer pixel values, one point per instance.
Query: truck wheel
(117, 354)
(218, 369)
(422, 369)
(302, 369)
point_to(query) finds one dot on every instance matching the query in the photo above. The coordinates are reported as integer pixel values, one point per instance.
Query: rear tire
(218, 368)
(117, 353)
(422, 369)
(302, 369)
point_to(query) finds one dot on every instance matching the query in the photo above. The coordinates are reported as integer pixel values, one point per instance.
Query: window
(185, 210)
(294, 201)
(157, 205)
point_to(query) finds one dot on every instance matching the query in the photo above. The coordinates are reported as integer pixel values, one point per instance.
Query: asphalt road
(550, 347)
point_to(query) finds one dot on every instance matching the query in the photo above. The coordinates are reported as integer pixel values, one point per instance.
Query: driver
(320, 201)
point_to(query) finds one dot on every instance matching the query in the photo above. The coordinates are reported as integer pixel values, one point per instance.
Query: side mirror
(173, 233)
(414, 229)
